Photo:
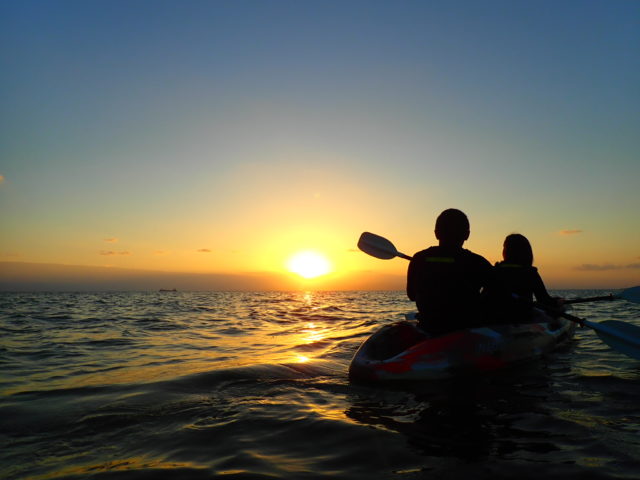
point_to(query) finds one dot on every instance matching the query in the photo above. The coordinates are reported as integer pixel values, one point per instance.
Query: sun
(309, 264)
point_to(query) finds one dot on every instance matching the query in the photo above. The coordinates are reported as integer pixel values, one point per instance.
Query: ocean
(202, 385)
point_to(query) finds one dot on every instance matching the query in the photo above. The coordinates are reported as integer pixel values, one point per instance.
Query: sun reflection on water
(312, 334)
(308, 298)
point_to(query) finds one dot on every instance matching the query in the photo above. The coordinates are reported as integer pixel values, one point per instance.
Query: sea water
(201, 385)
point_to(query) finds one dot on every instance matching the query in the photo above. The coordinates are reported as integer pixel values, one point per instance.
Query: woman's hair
(517, 249)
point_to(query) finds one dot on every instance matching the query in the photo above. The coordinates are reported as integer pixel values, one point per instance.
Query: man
(445, 281)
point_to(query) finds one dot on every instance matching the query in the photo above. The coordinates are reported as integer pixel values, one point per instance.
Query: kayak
(402, 351)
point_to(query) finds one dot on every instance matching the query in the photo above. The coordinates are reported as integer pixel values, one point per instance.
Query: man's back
(445, 283)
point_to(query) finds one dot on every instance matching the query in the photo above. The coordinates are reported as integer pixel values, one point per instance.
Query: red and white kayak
(402, 351)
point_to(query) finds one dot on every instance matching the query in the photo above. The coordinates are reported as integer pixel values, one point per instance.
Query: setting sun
(309, 264)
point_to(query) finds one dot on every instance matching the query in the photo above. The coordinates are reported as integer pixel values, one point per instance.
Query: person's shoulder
(426, 252)
(515, 267)
(475, 257)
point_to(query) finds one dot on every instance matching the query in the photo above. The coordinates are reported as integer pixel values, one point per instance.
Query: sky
(222, 137)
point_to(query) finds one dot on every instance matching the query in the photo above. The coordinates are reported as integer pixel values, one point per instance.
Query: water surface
(254, 385)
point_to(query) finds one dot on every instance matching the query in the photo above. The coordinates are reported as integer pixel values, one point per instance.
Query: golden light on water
(309, 264)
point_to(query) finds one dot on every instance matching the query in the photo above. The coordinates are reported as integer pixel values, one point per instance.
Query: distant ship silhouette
(168, 290)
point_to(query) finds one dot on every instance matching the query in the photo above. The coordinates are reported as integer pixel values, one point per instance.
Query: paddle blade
(621, 336)
(377, 246)
(631, 294)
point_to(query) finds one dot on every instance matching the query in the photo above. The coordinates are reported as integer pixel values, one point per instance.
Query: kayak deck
(402, 351)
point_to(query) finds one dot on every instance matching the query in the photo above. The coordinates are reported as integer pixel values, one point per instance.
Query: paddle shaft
(591, 299)
(573, 318)
(630, 295)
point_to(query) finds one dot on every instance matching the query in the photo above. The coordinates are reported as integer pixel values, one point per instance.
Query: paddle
(379, 247)
(630, 294)
(621, 336)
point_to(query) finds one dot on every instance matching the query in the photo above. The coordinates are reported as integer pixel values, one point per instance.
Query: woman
(514, 282)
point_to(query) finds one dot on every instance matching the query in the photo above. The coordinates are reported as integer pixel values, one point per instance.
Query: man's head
(452, 227)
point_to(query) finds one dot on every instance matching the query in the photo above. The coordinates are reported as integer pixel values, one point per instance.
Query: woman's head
(517, 249)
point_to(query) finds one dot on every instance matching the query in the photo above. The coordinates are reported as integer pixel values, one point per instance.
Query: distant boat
(168, 290)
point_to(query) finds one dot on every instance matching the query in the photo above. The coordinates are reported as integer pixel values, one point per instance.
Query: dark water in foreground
(243, 386)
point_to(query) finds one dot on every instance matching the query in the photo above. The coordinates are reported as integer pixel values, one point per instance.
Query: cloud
(204, 250)
(589, 267)
(111, 240)
(570, 232)
(161, 252)
(109, 253)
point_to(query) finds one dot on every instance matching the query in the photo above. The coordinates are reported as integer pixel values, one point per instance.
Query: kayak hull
(402, 352)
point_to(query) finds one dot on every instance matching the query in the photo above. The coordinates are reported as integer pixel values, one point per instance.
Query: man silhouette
(445, 280)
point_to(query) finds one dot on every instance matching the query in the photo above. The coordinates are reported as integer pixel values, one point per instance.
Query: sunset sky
(223, 137)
